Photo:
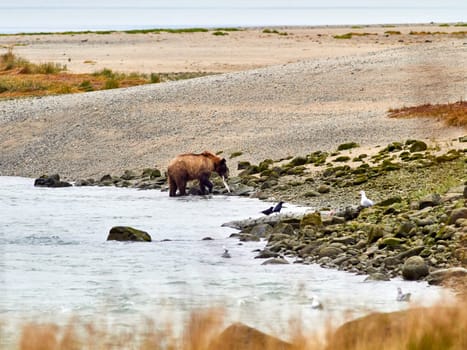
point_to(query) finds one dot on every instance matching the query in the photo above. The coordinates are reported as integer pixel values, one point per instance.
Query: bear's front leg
(203, 183)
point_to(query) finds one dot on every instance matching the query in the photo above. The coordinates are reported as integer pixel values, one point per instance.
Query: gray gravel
(273, 112)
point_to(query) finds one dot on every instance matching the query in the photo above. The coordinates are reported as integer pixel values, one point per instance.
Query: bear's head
(221, 168)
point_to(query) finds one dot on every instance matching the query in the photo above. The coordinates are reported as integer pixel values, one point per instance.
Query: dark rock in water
(51, 181)
(207, 239)
(266, 254)
(126, 233)
(414, 268)
(275, 261)
(377, 276)
(239, 336)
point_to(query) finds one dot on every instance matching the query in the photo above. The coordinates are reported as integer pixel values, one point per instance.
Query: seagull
(316, 304)
(402, 296)
(268, 211)
(226, 253)
(278, 207)
(365, 202)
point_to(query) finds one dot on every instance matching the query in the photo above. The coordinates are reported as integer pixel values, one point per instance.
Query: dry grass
(21, 78)
(454, 114)
(414, 329)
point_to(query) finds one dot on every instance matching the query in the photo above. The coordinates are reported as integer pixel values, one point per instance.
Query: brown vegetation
(454, 114)
(21, 78)
(439, 327)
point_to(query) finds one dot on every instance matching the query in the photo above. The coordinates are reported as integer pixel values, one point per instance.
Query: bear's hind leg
(181, 184)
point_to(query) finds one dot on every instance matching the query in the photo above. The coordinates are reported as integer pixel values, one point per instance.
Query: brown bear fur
(190, 166)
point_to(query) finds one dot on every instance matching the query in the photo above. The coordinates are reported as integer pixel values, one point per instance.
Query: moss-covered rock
(418, 146)
(348, 145)
(311, 219)
(127, 233)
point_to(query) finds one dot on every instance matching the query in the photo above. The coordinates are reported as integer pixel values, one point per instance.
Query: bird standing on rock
(364, 201)
(268, 211)
(278, 207)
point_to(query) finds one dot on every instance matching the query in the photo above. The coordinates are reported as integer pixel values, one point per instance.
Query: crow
(278, 207)
(268, 211)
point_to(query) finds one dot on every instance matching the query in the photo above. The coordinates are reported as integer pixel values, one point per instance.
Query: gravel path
(272, 112)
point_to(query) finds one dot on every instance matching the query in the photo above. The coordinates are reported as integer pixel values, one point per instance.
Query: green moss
(236, 154)
(348, 145)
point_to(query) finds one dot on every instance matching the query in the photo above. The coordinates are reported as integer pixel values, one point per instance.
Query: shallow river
(55, 262)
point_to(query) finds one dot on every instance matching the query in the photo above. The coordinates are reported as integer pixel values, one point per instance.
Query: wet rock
(414, 268)
(261, 230)
(127, 233)
(389, 201)
(50, 181)
(377, 276)
(323, 189)
(247, 237)
(275, 261)
(284, 228)
(266, 254)
(330, 251)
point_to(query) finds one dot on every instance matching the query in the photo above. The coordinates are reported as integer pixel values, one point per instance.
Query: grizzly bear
(190, 166)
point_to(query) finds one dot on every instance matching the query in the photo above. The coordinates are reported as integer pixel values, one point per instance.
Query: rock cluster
(407, 233)
(393, 238)
(50, 181)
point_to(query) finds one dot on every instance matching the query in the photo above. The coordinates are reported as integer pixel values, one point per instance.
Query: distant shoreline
(182, 29)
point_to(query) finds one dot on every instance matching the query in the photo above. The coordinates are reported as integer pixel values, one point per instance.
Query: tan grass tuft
(453, 114)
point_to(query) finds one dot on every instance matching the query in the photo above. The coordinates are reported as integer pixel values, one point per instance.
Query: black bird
(278, 207)
(268, 211)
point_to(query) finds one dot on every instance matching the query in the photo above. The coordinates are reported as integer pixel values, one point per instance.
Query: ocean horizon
(52, 16)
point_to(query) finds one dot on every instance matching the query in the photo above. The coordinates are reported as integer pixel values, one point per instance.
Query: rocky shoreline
(417, 228)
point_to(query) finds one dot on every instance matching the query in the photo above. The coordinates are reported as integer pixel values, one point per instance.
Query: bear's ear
(223, 161)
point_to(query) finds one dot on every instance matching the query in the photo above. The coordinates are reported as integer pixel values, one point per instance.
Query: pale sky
(240, 3)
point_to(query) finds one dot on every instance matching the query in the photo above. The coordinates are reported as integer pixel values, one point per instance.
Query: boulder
(261, 230)
(311, 219)
(242, 337)
(431, 200)
(442, 276)
(330, 251)
(126, 233)
(459, 213)
(50, 181)
(414, 268)
(418, 146)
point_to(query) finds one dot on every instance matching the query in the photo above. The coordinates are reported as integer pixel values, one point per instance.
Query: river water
(55, 262)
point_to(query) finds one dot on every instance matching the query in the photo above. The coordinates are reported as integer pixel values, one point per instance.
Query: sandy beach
(276, 95)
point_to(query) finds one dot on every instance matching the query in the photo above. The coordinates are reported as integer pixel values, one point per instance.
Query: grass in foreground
(453, 114)
(21, 78)
(439, 327)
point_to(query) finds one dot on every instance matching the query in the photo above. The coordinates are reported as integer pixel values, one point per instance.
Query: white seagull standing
(402, 296)
(226, 253)
(364, 201)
